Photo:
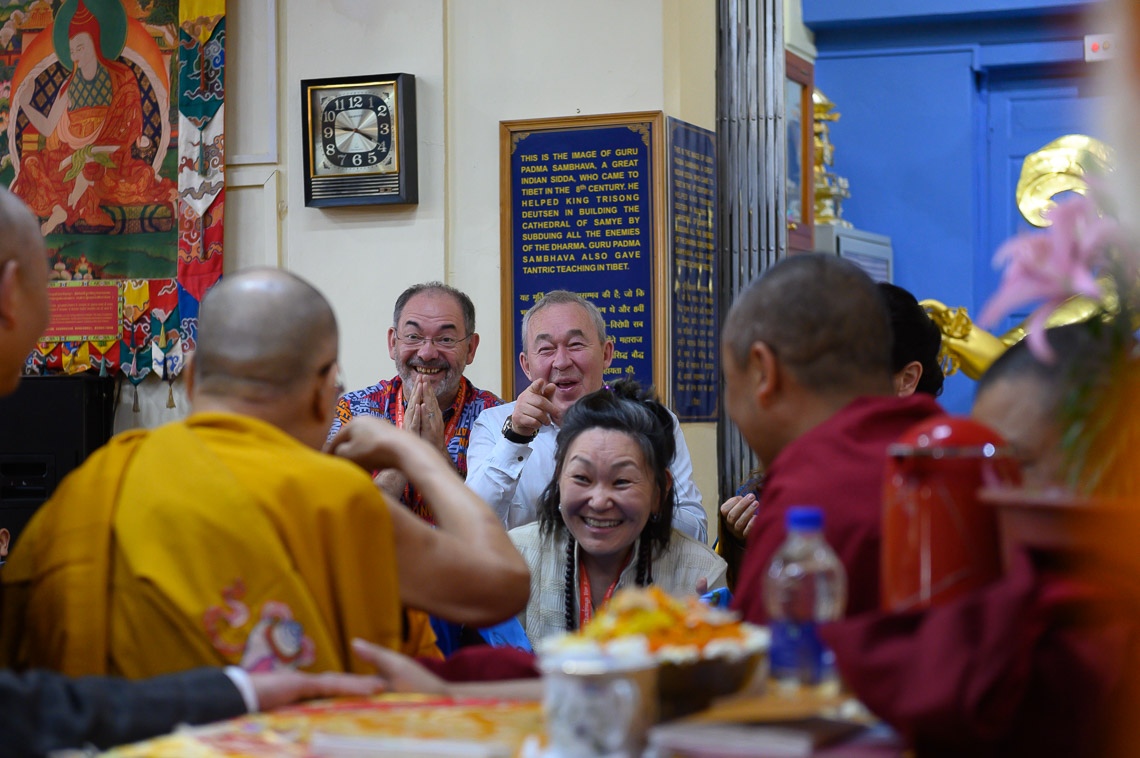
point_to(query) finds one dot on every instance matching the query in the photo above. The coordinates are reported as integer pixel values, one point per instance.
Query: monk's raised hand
(535, 408)
(370, 442)
(739, 514)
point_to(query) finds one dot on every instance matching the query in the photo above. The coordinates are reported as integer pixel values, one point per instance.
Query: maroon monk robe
(838, 465)
(483, 663)
(1029, 665)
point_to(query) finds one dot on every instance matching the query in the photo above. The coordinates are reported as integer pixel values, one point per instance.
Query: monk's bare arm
(464, 570)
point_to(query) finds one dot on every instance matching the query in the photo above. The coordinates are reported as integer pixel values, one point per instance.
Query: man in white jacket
(510, 457)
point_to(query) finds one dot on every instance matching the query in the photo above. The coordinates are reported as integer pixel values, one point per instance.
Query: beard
(446, 382)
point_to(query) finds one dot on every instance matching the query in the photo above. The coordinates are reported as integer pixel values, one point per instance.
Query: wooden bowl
(686, 687)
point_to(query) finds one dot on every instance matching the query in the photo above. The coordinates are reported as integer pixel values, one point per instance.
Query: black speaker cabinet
(48, 426)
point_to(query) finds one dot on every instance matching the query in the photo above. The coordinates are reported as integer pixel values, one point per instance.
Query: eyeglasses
(445, 343)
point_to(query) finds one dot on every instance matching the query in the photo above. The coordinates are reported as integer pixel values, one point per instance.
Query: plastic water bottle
(805, 586)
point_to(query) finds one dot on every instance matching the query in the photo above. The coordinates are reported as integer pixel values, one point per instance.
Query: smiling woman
(605, 519)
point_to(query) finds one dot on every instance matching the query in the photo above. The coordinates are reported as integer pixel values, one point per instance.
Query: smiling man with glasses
(432, 340)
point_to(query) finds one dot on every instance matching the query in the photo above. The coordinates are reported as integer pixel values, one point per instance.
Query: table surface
(391, 724)
(427, 725)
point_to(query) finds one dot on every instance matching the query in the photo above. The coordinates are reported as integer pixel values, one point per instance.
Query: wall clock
(359, 137)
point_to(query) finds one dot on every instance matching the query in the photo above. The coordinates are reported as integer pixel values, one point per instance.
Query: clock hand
(357, 131)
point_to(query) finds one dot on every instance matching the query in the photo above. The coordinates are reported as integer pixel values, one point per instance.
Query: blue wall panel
(912, 138)
(906, 142)
(821, 14)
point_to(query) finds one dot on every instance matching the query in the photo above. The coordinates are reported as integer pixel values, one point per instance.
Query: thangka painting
(111, 117)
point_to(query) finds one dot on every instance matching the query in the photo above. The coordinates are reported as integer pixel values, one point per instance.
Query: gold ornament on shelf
(1061, 166)
(830, 188)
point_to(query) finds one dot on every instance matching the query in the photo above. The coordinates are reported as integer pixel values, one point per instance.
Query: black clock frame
(389, 188)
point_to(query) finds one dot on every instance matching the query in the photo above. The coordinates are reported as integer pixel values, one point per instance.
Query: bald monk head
(1023, 398)
(802, 341)
(23, 296)
(267, 348)
(23, 288)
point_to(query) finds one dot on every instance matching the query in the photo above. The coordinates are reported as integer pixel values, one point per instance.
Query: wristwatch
(519, 439)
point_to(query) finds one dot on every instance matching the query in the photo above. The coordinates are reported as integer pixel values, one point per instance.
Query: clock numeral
(356, 132)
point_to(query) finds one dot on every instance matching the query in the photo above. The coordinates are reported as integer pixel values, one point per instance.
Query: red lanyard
(586, 596)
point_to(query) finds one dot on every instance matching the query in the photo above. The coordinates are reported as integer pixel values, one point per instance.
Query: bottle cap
(802, 518)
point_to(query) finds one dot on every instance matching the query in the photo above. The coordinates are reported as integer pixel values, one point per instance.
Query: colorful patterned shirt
(380, 400)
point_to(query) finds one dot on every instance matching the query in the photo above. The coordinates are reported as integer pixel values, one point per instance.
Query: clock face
(353, 130)
(359, 137)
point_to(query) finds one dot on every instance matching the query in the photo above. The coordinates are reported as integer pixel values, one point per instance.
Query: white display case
(870, 252)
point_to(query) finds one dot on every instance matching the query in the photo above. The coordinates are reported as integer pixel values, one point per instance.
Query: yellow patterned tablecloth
(384, 724)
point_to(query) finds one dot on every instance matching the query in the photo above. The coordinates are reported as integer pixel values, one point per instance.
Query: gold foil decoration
(968, 348)
(1061, 166)
(830, 188)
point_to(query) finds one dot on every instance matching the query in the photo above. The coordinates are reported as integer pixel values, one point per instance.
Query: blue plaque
(695, 358)
(581, 213)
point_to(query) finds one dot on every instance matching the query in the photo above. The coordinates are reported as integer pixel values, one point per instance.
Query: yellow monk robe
(215, 540)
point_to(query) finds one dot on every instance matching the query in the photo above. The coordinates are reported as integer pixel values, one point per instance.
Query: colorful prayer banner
(111, 130)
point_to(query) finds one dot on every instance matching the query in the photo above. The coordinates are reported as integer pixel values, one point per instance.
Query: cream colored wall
(361, 258)
(516, 60)
(476, 63)
(690, 95)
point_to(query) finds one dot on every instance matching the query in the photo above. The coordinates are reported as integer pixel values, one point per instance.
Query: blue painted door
(1024, 112)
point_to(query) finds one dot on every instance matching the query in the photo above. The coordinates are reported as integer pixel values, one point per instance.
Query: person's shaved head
(261, 334)
(822, 316)
(1023, 398)
(24, 308)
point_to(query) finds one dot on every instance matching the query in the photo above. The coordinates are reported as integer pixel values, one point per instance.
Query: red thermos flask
(939, 540)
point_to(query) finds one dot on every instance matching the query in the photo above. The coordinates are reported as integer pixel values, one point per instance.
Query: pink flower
(1051, 267)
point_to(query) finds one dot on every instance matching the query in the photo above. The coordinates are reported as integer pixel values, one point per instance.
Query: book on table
(795, 737)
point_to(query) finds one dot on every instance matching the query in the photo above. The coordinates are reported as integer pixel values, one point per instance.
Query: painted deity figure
(90, 136)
